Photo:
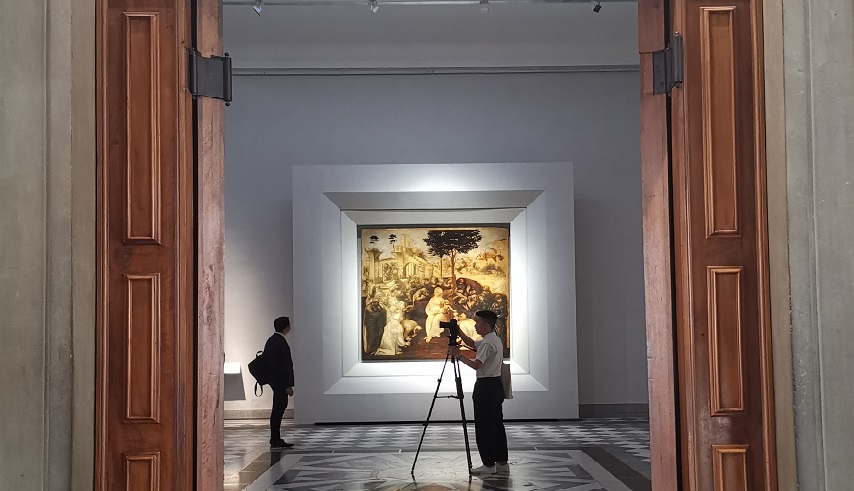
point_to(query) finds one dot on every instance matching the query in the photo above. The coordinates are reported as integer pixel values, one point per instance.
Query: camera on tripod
(453, 331)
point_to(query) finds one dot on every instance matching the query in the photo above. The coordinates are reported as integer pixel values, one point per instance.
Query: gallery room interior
(519, 115)
(113, 246)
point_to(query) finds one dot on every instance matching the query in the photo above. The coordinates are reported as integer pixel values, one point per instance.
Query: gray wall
(819, 100)
(47, 265)
(590, 119)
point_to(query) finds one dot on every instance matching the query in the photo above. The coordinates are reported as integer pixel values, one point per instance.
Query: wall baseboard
(612, 410)
(253, 413)
(584, 411)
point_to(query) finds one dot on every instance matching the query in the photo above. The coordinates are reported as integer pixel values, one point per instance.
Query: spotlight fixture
(374, 6)
(597, 7)
(484, 6)
(257, 7)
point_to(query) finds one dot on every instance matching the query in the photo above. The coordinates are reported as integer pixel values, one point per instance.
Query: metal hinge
(210, 77)
(667, 71)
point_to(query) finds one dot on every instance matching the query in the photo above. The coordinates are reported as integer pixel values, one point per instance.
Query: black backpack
(258, 368)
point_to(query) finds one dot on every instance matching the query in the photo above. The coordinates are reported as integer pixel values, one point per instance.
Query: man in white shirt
(488, 395)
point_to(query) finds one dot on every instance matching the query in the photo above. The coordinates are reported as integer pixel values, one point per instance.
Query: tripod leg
(429, 413)
(459, 382)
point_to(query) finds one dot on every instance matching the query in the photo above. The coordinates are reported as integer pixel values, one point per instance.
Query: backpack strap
(257, 386)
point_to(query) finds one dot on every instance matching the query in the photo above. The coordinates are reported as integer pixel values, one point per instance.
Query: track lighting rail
(409, 2)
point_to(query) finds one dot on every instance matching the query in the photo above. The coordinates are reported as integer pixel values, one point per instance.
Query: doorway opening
(160, 218)
(430, 91)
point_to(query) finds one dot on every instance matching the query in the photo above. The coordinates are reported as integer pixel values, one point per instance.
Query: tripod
(459, 383)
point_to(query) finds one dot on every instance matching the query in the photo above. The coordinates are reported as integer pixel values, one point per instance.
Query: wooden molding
(725, 345)
(142, 94)
(719, 120)
(730, 467)
(142, 472)
(142, 379)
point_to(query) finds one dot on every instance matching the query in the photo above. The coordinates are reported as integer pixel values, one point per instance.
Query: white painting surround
(330, 202)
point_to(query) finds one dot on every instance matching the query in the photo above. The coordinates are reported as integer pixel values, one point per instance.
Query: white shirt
(490, 352)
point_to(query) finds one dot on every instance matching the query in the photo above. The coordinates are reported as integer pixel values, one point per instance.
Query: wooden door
(146, 283)
(720, 249)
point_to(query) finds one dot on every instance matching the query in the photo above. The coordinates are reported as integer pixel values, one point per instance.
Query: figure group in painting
(437, 311)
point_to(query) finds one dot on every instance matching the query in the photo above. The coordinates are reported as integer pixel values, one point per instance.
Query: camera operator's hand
(455, 351)
(465, 339)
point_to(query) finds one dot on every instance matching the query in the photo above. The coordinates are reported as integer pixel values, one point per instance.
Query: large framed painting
(415, 278)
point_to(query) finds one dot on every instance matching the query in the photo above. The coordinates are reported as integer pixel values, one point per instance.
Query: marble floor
(592, 454)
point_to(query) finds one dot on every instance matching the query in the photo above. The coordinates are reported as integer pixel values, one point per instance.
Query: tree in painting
(450, 243)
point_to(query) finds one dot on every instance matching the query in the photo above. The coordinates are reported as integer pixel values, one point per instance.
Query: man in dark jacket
(277, 355)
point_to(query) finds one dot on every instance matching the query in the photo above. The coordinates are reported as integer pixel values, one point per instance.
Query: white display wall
(330, 202)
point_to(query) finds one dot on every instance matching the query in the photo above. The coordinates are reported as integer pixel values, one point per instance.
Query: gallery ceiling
(417, 36)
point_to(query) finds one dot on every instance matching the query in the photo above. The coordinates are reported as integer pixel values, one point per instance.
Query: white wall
(590, 119)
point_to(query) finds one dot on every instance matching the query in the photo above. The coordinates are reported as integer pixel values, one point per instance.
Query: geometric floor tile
(590, 454)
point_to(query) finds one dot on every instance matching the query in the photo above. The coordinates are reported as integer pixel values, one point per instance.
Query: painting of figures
(413, 279)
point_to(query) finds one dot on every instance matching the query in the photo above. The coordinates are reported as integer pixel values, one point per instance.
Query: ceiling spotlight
(374, 6)
(597, 7)
(484, 6)
(257, 7)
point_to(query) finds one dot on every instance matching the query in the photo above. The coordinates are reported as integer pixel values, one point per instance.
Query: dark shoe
(281, 444)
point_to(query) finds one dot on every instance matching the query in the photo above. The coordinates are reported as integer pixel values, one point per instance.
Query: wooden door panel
(142, 80)
(145, 249)
(726, 374)
(143, 337)
(717, 56)
(730, 467)
(721, 283)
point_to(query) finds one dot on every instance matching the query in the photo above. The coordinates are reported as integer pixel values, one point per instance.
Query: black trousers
(488, 396)
(280, 403)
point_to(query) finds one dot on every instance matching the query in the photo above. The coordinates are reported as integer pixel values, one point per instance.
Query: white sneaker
(484, 469)
(503, 468)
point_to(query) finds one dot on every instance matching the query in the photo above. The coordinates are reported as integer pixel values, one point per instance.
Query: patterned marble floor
(593, 454)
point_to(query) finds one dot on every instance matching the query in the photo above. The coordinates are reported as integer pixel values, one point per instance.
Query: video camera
(453, 331)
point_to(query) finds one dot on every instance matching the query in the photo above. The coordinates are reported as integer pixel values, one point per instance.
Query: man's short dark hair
(281, 323)
(489, 316)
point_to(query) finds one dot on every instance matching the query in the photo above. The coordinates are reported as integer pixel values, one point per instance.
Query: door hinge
(210, 77)
(667, 69)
